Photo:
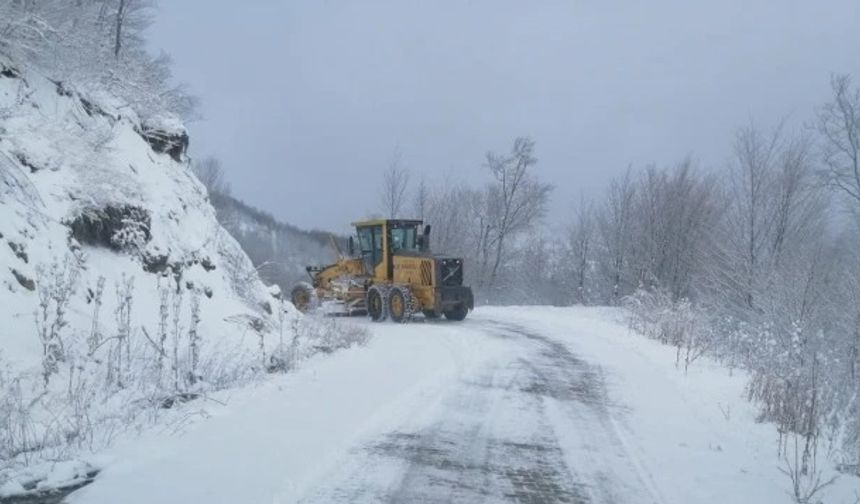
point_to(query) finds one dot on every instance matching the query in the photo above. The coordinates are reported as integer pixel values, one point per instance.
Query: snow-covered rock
(85, 184)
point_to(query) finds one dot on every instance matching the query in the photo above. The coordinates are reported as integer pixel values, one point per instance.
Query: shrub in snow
(118, 376)
(15, 434)
(56, 285)
(119, 352)
(328, 334)
(673, 322)
(94, 340)
(307, 336)
(796, 379)
(194, 340)
(120, 228)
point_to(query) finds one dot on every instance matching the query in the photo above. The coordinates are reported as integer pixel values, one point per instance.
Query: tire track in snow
(598, 398)
(535, 428)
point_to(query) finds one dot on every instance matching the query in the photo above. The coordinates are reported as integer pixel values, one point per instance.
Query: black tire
(304, 297)
(457, 314)
(431, 315)
(400, 304)
(376, 304)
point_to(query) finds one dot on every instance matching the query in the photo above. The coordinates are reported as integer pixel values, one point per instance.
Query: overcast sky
(305, 102)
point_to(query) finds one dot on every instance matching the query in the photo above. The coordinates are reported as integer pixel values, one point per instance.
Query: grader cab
(389, 271)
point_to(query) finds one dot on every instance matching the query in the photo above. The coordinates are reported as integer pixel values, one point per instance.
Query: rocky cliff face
(97, 206)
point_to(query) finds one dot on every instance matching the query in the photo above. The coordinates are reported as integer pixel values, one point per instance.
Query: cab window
(403, 239)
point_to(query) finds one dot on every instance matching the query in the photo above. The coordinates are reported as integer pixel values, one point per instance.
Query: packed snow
(515, 404)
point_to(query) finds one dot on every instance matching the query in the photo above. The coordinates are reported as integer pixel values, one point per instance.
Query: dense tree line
(755, 263)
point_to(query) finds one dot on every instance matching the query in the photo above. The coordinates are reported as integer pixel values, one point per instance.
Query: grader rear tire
(401, 304)
(457, 313)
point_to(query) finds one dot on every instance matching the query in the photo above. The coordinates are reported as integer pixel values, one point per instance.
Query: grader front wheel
(304, 297)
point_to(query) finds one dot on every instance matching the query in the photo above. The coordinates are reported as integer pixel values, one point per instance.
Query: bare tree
(516, 200)
(674, 211)
(421, 200)
(120, 18)
(750, 180)
(532, 281)
(615, 227)
(211, 173)
(130, 17)
(453, 211)
(773, 207)
(839, 125)
(580, 238)
(799, 203)
(55, 285)
(395, 181)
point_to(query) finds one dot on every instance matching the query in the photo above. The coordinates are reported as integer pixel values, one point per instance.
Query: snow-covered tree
(94, 46)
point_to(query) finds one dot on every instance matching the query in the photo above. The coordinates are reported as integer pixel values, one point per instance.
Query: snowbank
(70, 164)
(696, 436)
(119, 290)
(691, 438)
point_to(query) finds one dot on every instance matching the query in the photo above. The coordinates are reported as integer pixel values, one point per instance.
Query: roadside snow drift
(513, 405)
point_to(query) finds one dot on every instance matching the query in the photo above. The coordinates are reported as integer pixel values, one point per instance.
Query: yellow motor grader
(389, 271)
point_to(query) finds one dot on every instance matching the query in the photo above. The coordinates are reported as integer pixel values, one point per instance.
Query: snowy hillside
(90, 189)
(121, 294)
(279, 250)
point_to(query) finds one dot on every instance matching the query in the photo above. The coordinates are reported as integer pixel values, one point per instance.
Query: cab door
(371, 243)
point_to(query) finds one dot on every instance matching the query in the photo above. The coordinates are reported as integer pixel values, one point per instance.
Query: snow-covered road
(513, 405)
(532, 425)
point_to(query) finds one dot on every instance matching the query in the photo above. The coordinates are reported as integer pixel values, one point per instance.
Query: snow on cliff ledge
(84, 181)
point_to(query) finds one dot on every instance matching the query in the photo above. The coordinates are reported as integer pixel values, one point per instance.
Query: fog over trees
(279, 251)
(754, 263)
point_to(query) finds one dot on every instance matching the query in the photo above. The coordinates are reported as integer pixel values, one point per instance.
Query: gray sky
(305, 101)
